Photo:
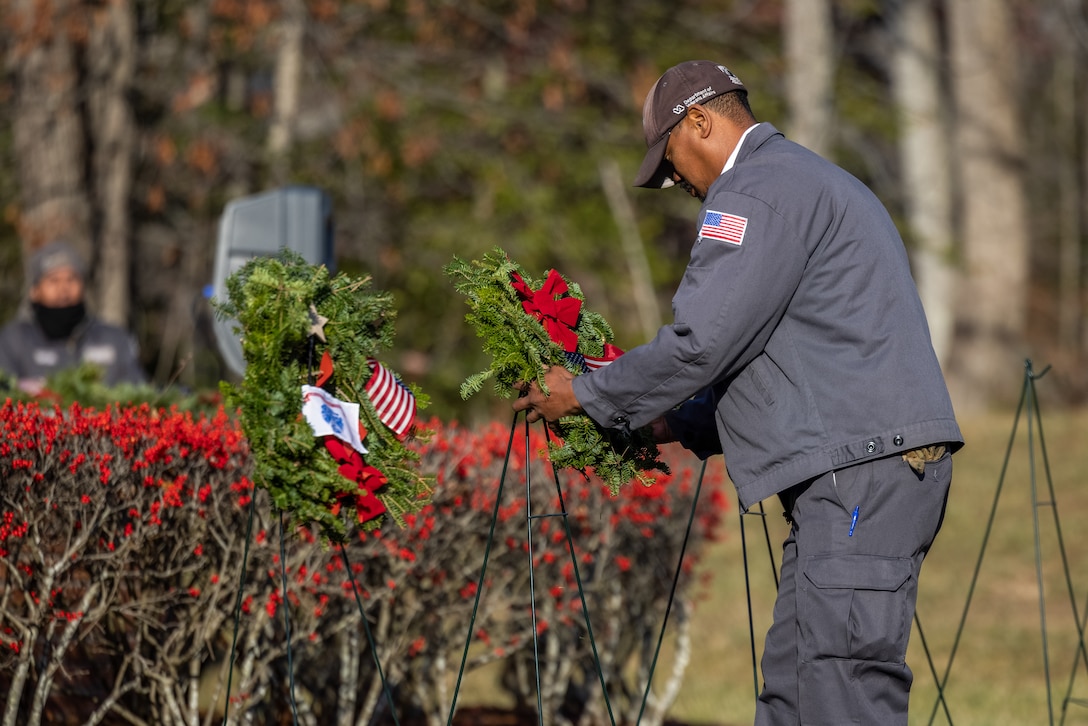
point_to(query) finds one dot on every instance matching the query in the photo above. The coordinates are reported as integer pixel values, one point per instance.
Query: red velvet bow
(558, 314)
(368, 479)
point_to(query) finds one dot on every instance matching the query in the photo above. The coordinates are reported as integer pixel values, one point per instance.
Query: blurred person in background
(52, 331)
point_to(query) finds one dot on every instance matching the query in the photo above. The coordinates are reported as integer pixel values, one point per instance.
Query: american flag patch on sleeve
(725, 227)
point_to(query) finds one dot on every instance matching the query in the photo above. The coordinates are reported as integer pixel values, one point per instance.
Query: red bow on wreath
(558, 314)
(368, 479)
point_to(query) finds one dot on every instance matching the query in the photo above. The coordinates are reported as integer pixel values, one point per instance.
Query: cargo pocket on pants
(856, 607)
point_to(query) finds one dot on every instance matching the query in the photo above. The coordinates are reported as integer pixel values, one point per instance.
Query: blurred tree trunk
(47, 127)
(810, 54)
(1069, 114)
(178, 283)
(917, 70)
(288, 82)
(634, 251)
(74, 135)
(1084, 229)
(111, 62)
(988, 349)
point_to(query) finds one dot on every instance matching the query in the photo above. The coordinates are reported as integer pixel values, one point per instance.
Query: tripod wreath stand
(1041, 498)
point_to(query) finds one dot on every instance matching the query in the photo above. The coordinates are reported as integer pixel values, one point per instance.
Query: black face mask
(58, 323)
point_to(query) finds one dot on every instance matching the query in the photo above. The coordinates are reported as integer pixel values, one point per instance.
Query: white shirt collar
(736, 149)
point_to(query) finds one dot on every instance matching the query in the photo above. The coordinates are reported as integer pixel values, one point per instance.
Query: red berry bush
(124, 532)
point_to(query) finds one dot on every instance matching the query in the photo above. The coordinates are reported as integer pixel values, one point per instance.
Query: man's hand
(559, 403)
(661, 432)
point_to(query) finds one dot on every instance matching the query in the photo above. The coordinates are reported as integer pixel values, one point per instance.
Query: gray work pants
(836, 651)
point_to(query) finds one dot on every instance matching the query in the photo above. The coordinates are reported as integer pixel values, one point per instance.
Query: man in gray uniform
(53, 331)
(800, 350)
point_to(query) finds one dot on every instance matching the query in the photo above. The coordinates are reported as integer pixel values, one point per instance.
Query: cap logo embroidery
(732, 76)
(699, 95)
(679, 109)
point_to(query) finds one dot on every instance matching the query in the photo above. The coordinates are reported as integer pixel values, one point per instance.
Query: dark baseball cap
(666, 104)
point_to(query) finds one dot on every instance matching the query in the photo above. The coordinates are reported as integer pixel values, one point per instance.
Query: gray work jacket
(799, 344)
(25, 351)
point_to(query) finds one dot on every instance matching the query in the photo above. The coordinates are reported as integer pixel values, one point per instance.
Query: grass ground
(999, 675)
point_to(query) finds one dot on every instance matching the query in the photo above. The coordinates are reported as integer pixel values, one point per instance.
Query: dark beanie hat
(54, 256)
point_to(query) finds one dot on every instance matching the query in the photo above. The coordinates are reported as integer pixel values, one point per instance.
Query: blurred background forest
(440, 128)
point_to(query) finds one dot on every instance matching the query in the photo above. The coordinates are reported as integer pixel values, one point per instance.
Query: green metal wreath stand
(1028, 406)
(530, 517)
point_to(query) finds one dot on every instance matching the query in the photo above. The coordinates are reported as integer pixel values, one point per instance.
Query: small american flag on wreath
(725, 227)
(394, 403)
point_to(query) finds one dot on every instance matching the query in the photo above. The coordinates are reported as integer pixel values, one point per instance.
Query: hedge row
(123, 534)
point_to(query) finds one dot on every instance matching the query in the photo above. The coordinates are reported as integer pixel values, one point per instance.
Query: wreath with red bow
(528, 325)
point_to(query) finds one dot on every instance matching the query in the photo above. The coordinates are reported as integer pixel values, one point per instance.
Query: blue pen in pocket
(853, 522)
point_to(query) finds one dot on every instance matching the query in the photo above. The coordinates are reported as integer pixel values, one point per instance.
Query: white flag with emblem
(329, 416)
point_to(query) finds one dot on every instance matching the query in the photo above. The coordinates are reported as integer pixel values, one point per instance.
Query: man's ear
(701, 119)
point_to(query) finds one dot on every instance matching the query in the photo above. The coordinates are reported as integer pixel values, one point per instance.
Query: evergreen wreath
(528, 325)
(286, 311)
